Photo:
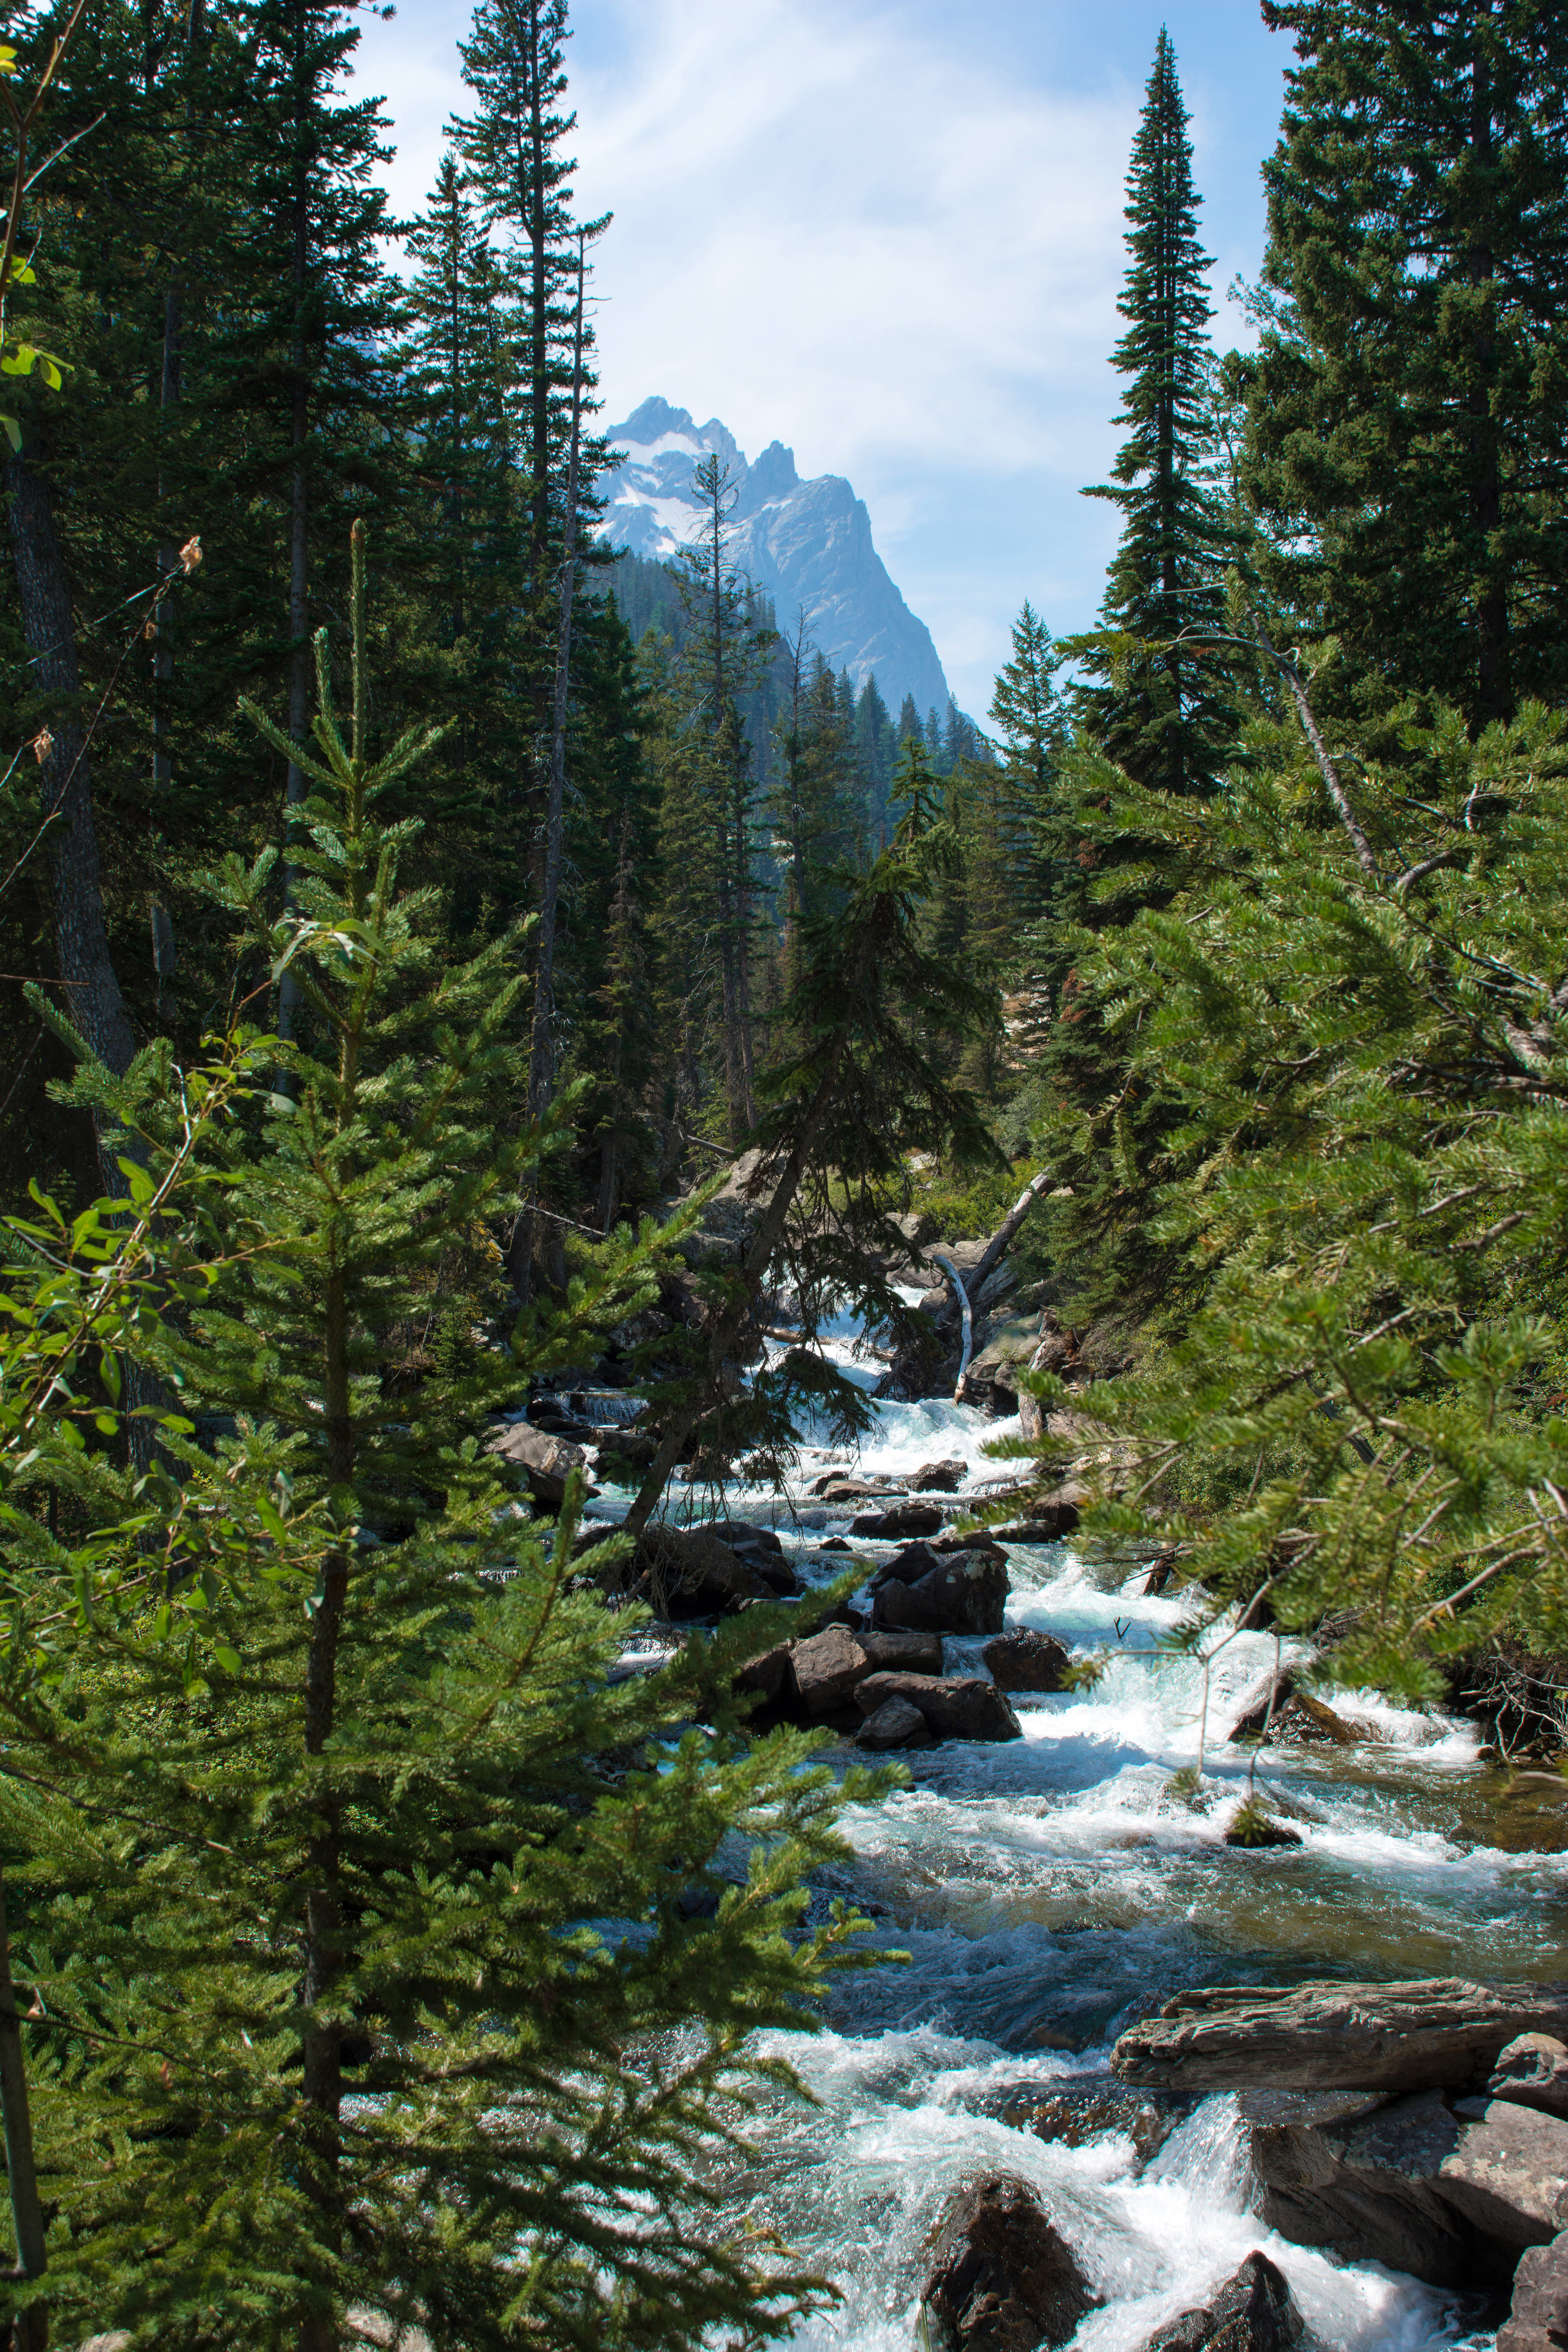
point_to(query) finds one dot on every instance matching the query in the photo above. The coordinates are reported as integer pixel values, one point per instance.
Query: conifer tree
(1409, 422)
(1164, 712)
(316, 1832)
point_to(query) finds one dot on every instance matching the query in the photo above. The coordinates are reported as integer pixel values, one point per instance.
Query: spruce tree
(328, 1778)
(1164, 711)
(1409, 412)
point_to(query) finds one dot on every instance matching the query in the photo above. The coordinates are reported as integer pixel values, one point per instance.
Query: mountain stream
(1048, 1890)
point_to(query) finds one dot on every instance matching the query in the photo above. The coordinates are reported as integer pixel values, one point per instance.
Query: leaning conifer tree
(366, 1978)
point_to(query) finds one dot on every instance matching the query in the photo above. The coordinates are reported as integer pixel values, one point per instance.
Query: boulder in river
(827, 1669)
(1026, 1660)
(1433, 2033)
(1533, 2071)
(902, 1519)
(938, 1477)
(544, 1460)
(1005, 2280)
(838, 1486)
(964, 1594)
(1050, 1517)
(1278, 1706)
(697, 1574)
(956, 1707)
(907, 1567)
(1254, 2311)
(1358, 2176)
(1537, 2315)
(895, 1724)
(761, 1551)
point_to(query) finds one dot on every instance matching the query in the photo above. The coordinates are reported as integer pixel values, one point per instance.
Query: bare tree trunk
(30, 2333)
(298, 537)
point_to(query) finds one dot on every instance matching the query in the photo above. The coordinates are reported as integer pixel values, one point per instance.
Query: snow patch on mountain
(806, 544)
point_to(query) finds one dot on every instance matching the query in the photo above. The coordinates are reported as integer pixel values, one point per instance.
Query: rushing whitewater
(1047, 1889)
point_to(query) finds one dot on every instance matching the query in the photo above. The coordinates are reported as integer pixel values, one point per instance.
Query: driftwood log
(1436, 2033)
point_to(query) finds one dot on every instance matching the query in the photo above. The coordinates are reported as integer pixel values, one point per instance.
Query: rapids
(1046, 1890)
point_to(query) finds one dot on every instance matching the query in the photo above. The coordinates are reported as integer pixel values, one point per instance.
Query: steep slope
(806, 544)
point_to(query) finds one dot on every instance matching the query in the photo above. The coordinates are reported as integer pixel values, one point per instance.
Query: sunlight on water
(1047, 1889)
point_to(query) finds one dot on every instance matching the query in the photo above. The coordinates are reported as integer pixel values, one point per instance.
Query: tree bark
(30, 2333)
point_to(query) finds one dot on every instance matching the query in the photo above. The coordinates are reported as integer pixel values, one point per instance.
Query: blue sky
(889, 236)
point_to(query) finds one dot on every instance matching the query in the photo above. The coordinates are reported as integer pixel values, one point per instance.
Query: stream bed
(1048, 1890)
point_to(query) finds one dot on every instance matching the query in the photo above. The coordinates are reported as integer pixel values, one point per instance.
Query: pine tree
(1165, 713)
(330, 1777)
(1409, 413)
(875, 745)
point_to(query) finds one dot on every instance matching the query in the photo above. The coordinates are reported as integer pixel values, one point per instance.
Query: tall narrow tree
(1163, 712)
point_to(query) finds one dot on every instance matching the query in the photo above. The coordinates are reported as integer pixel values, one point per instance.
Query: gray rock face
(1345, 2171)
(1533, 2071)
(955, 1706)
(895, 1724)
(1508, 2174)
(806, 544)
(544, 1461)
(964, 1594)
(828, 1668)
(1005, 2280)
(1025, 1661)
(1439, 2033)
(907, 1567)
(1253, 2311)
(1538, 2317)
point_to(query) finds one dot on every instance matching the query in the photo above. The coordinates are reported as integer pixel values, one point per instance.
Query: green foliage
(356, 1884)
(1360, 1183)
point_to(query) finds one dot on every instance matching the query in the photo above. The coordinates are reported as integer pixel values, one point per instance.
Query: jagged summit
(806, 544)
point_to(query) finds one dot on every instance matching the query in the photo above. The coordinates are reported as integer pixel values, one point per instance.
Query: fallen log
(1436, 2033)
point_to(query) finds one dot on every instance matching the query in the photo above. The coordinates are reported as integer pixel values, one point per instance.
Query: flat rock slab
(1440, 2033)
(1537, 2315)
(955, 1706)
(545, 1460)
(1357, 2176)
(1253, 2311)
(1005, 2279)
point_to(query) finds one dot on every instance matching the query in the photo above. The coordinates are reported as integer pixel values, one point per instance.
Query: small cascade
(1047, 1889)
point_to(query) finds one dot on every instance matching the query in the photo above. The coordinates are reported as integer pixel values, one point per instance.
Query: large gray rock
(828, 1668)
(1025, 1661)
(1438, 2032)
(1532, 2072)
(1253, 2311)
(1050, 1517)
(964, 1594)
(938, 1477)
(895, 1724)
(1358, 2177)
(912, 1653)
(1537, 2315)
(907, 1567)
(956, 1707)
(992, 1377)
(1004, 2278)
(545, 1460)
(1508, 2174)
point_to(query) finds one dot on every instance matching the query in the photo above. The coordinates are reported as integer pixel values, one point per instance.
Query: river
(1048, 1889)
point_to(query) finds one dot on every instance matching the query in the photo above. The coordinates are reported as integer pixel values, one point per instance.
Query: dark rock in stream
(1050, 1518)
(1005, 2280)
(1080, 2111)
(937, 1477)
(1025, 1661)
(1532, 2072)
(1537, 2315)
(695, 1574)
(895, 1724)
(1253, 2311)
(964, 1594)
(1439, 2033)
(903, 1519)
(955, 1707)
(907, 1567)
